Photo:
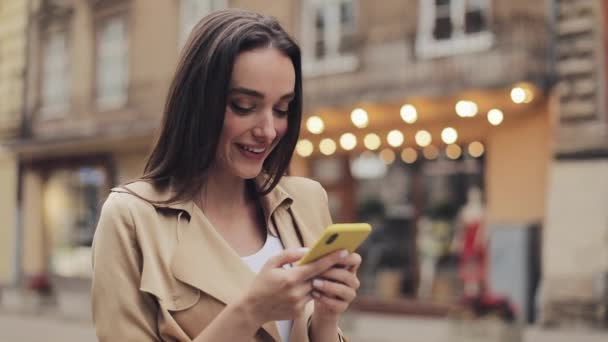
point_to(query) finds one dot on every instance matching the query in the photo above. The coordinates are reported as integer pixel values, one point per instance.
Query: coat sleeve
(121, 312)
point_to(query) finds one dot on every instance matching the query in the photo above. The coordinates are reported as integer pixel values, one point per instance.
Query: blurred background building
(13, 26)
(438, 121)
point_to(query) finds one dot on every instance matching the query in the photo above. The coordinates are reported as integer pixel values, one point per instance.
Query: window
(416, 211)
(72, 198)
(448, 27)
(191, 11)
(329, 36)
(54, 90)
(112, 64)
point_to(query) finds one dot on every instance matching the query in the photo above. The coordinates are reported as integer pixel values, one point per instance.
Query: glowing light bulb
(449, 135)
(315, 125)
(395, 138)
(327, 146)
(409, 114)
(304, 148)
(495, 117)
(359, 118)
(372, 141)
(409, 155)
(423, 138)
(348, 141)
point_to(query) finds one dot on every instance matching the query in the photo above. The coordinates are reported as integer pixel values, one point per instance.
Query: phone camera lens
(331, 239)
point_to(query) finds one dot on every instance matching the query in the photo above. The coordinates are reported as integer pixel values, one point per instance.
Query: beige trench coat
(162, 272)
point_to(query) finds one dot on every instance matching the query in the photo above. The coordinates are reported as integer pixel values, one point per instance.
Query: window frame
(103, 17)
(53, 110)
(461, 42)
(335, 62)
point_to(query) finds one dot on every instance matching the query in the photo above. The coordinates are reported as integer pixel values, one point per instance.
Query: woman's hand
(279, 293)
(335, 289)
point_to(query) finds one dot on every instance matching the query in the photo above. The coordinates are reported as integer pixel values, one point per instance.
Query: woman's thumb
(287, 257)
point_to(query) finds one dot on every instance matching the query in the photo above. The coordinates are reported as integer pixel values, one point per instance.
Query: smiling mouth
(255, 150)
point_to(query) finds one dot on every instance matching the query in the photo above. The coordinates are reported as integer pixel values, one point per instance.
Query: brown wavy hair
(194, 111)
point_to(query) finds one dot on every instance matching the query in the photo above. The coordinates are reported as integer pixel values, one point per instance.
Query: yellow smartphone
(347, 236)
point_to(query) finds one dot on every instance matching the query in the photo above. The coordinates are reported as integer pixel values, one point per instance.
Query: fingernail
(316, 294)
(317, 283)
(303, 249)
(343, 254)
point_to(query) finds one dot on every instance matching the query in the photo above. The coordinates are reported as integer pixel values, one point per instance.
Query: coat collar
(159, 197)
(204, 260)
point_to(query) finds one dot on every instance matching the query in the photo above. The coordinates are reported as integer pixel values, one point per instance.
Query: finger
(353, 260)
(302, 294)
(319, 266)
(355, 263)
(286, 257)
(342, 276)
(334, 305)
(334, 290)
(351, 263)
(305, 289)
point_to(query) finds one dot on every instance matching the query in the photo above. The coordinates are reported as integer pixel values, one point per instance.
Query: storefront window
(415, 209)
(72, 201)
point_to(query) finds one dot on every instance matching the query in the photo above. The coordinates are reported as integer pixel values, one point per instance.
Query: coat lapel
(204, 260)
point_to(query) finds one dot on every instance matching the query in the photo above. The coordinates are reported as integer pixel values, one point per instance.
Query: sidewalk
(66, 306)
(34, 328)
(361, 327)
(21, 320)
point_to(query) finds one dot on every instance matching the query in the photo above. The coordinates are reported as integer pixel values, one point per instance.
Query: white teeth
(254, 150)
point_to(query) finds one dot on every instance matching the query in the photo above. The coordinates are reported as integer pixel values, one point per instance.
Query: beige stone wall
(8, 201)
(129, 165)
(517, 162)
(576, 233)
(13, 20)
(34, 252)
(12, 56)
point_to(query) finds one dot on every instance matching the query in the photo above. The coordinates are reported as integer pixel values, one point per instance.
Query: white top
(272, 247)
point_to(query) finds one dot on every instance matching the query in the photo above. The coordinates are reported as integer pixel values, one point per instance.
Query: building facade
(98, 73)
(13, 21)
(452, 97)
(410, 107)
(575, 253)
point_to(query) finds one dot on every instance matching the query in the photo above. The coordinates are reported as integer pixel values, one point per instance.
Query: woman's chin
(249, 173)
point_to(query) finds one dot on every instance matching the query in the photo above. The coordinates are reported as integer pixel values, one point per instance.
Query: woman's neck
(223, 193)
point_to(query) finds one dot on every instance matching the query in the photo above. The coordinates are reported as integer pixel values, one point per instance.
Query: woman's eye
(281, 112)
(241, 109)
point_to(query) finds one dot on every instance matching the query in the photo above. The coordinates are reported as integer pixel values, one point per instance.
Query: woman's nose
(265, 129)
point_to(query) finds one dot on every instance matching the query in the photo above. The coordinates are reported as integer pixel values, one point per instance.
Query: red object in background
(485, 304)
(473, 257)
(40, 283)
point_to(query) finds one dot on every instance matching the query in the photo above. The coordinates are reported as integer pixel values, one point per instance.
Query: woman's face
(255, 120)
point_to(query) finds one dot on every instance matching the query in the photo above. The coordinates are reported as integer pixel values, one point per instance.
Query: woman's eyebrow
(255, 93)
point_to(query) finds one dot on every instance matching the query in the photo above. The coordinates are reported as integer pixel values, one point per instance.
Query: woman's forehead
(267, 71)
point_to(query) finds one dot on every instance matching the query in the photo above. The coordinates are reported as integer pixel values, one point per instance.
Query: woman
(200, 248)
